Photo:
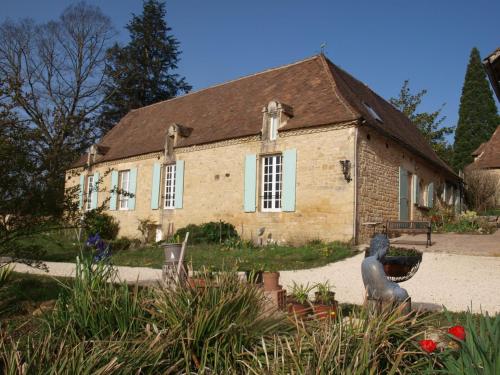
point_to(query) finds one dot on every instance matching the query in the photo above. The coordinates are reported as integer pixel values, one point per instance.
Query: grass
(261, 258)
(61, 246)
(23, 292)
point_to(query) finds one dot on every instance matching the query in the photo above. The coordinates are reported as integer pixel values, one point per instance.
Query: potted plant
(299, 300)
(400, 263)
(271, 279)
(325, 305)
(202, 279)
(254, 276)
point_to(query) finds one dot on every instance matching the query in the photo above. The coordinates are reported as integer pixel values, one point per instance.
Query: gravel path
(458, 282)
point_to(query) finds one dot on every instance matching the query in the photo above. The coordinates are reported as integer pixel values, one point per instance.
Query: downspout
(355, 208)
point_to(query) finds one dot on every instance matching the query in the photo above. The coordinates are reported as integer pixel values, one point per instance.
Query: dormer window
(373, 113)
(275, 116)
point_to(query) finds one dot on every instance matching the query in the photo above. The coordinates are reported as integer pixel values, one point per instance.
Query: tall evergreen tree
(478, 117)
(141, 73)
(430, 124)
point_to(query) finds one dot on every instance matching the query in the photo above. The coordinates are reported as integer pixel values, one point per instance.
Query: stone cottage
(487, 158)
(299, 152)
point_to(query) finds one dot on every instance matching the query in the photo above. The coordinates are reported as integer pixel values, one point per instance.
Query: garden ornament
(377, 286)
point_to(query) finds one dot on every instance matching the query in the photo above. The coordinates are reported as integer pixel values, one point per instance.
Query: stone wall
(214, 187)
(379, 160)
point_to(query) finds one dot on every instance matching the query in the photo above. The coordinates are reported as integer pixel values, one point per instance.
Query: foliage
(141, 73)
(121, 244)
(96, 222)
(467, 222)
(478, 117)
(5, 274)
(215, 325)
(300, 292)
(211, 232)
(98, 327)
(146, 227)
(480, 188)
(402, 251)
(430, 124)
(360, 343)
(480, 351)
(94, 306)
(53, 75)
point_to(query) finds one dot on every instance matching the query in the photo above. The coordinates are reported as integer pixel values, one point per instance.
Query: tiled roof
(489, 155)
(319, 92)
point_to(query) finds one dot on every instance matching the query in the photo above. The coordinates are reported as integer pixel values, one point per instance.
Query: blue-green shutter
(430, 195)
(179, 183)
(82, 189)
(132, 187)
(250, 184)
(289, 180)
(114, 187)
(403, 194)
(95, 191)
(416, 190)
(155, 186)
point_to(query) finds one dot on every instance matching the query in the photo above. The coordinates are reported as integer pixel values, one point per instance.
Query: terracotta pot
(197, 283)
(325, 311)
(271, 281)
(298, 309)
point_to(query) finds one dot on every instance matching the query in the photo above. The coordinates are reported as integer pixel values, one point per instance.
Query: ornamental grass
(103, 326)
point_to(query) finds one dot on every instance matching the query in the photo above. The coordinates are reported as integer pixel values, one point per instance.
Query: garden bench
(410, 227)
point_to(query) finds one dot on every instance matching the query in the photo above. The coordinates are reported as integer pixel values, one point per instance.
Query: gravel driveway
(456, 281)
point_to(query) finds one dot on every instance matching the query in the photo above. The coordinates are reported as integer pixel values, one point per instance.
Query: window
(170, 186)
(271, 183)
(273, 126)
(90, 187)
(124, 183)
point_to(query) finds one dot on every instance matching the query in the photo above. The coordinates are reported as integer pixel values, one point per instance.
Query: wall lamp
(346, 169)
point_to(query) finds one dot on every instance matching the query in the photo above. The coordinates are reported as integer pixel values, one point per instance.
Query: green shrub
(99, 222)
(121, 244)
(212, 232)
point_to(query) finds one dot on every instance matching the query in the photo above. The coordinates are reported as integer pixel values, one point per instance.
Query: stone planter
(271, 281)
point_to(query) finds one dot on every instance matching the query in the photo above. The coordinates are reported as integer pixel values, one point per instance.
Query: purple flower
(93, 240)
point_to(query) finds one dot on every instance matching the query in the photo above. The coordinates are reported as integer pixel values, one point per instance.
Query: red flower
(427, 345)
(458, 332)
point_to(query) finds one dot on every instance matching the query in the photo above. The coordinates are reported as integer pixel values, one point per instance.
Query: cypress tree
(141, 73)
(478, 117)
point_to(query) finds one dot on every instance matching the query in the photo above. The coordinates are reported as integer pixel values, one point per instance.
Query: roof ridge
(336, 91)
(231, 81)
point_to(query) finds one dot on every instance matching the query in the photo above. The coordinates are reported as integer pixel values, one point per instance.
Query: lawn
(260, 258)
(61, 246)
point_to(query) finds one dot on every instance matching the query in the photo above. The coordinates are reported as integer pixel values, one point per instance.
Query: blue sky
(382, 42)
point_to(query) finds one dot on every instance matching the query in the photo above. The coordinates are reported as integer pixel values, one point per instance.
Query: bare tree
(480, 188)
(53, 75)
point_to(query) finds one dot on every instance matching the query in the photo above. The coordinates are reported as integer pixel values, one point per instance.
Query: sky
(382, 43)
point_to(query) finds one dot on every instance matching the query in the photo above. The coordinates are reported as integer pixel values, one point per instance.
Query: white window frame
(90, 188)
(272, 183)
(169, 189)
(124, 183)
(273, 126)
